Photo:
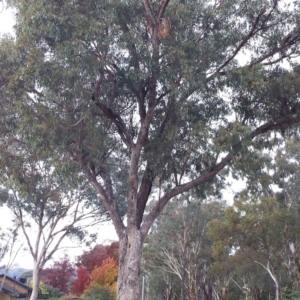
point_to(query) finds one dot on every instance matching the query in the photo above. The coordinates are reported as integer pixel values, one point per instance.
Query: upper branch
(149, 14)
(254, 29)
(156, 210)
(162, 8)
(279, 123)
(118, 121)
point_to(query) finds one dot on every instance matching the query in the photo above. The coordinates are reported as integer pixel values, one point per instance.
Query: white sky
(6, 19)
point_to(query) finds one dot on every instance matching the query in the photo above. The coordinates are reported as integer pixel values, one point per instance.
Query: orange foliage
(106, 275)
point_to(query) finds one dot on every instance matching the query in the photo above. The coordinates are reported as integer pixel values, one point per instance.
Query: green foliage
(53, 292)
(290, 294)
(147, 100)
(96, 291)
(62, 50)
(177, 254)
(44, 288)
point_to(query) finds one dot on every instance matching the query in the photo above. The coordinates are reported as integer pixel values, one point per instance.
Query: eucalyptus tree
(260, 233)
(48, 209)
(47, 203)
(286, 175)
(178, 252)
(150, 98)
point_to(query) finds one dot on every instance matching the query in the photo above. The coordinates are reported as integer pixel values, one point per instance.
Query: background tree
(59, 275)
(178, 252)
(95, 257)
(92, 260)
(9, 249)
(81, 282)
(257, 233)
(149, 97)
(46, 207)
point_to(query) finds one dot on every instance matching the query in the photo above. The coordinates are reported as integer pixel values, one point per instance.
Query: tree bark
(278, 292)
(272, 273)
(129, 265)
(36, 273)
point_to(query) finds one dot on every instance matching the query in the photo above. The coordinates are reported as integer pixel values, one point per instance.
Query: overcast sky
(6, 19)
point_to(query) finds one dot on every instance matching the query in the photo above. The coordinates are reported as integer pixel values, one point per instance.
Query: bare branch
(118, 121)
(162, 8)
(109, 204)
(156, 210)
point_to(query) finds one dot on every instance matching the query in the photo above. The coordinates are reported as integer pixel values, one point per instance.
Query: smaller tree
(47, 206)
(177, 256)
(102, 258)
(93, 258)
(96, 256)
(59, 275)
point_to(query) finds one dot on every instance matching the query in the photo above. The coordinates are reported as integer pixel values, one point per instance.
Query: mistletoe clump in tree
(149, 97)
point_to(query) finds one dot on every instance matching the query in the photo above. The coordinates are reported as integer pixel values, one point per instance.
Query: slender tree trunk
(296, 260)
(277, 284)
(206, 289)
(278, 292)
(36, 273)
(182, 287)
(129, 265)
(272, 273)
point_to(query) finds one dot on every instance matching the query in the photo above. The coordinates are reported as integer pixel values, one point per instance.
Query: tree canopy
(150, 99)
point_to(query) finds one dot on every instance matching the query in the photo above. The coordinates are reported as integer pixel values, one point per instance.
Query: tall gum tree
(149, 98)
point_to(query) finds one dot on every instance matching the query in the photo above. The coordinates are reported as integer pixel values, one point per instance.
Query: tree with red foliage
(82, 281)
(59, 275)
(93, 258)
(112, 250)
(96, 256)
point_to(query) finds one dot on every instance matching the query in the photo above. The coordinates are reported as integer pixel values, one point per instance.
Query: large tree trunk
(129, 265)
(36, 273)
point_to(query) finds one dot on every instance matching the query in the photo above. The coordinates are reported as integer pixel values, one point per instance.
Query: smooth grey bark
(36, 274)
(269, 268)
